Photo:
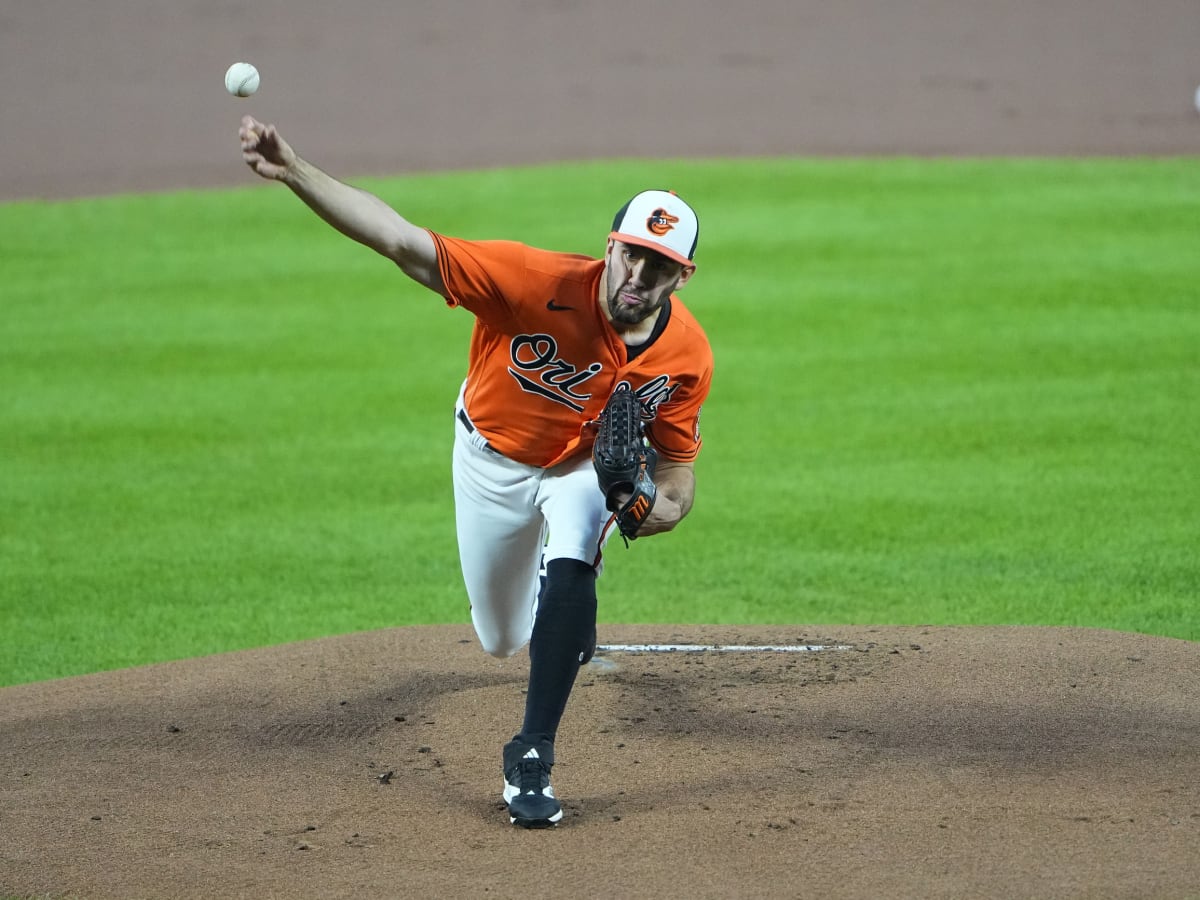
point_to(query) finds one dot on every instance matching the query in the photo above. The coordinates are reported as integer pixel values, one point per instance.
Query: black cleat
(527, 790)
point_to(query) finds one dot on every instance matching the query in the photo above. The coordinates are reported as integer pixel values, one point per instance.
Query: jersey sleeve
(675, 428)
(481, 276)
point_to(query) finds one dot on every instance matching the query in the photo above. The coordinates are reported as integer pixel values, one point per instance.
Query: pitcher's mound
(911, 762)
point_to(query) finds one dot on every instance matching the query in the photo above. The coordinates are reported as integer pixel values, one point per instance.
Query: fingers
(256, 139)
(250, 132)
(264, 150)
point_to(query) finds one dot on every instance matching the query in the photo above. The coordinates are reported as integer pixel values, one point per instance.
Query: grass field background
(947, 392)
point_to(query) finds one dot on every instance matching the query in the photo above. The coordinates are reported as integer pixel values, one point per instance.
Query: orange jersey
(544, 359)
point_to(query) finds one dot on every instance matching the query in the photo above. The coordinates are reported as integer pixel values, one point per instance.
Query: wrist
(293, 172)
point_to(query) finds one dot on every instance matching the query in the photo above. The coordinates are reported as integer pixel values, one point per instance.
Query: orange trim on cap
(652, 245)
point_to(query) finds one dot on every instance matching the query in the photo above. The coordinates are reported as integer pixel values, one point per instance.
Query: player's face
(640, 281)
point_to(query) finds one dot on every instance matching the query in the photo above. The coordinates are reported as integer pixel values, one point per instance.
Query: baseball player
(554, 336)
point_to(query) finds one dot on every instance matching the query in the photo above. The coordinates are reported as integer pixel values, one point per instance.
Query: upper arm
(415, 252)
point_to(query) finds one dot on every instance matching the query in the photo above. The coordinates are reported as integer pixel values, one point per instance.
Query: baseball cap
(660, 221)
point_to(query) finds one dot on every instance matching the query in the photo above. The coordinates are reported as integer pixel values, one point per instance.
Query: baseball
(242, 79)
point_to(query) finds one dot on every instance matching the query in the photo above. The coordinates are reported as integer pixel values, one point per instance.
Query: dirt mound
(911, 762)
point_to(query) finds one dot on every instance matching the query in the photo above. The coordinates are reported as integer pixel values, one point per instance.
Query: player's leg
(564, 631)
(564, 635)
(500, 538)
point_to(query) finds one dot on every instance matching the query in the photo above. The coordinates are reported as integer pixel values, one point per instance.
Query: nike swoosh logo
(556, 308)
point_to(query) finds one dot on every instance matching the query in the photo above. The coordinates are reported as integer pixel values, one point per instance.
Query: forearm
(365, 218)
(677, 482)
(675, 488)
(357, 214)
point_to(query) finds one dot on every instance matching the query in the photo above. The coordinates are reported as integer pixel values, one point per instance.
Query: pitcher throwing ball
(555, 336)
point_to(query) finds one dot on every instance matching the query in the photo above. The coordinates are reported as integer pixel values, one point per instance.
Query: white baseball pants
(511, 518)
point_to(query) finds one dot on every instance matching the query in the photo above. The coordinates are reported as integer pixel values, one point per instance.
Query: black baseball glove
(625, 461)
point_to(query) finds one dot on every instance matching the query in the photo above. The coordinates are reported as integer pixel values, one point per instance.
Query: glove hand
(625, 462)
(634, 507)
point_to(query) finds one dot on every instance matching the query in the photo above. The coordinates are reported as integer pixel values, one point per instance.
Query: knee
(500, 651)
(502, 643)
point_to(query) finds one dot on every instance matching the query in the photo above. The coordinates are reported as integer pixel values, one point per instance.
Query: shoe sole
(535, 823)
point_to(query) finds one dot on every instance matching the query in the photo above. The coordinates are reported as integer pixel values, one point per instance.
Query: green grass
(947, 392)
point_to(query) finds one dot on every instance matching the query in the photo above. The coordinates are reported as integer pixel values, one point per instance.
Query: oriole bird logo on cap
(660, 222)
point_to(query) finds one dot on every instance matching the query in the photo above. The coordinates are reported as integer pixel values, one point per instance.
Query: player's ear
(685, 275)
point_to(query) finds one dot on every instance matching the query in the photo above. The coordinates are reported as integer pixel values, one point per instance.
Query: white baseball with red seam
(242, 79)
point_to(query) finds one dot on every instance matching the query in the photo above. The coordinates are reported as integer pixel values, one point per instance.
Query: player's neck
(633, 335)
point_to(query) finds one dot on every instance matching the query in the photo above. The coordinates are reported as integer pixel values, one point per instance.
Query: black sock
(564, 635)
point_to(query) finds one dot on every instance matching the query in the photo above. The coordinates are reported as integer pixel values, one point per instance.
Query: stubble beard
(631, 315)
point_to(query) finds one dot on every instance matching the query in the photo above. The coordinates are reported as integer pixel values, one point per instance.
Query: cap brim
(652, 245)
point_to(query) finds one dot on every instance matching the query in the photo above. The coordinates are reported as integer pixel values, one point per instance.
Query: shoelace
(534, 776)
